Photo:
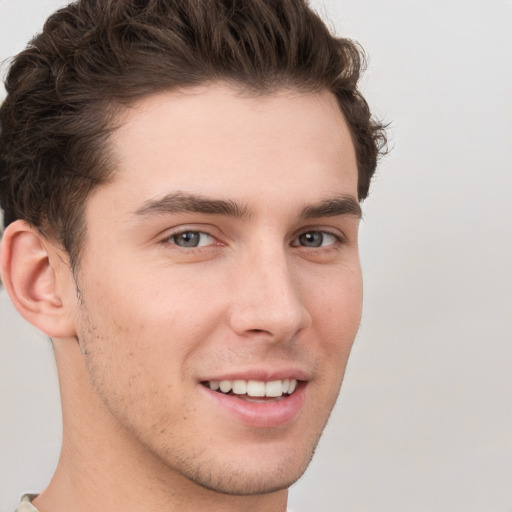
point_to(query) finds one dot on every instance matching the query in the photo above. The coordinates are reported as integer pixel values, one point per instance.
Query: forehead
(217, 141)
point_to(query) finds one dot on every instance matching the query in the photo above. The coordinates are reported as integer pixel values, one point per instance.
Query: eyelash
(172, 238)
(337, 239)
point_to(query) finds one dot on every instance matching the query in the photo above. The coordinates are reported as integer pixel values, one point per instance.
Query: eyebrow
(181, 202)
(341, 205)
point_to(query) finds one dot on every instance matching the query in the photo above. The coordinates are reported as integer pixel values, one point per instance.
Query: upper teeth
(258, 388)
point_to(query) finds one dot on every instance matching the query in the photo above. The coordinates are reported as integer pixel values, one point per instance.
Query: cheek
(336, 313)
(159, 323)
(337, 300)
(135, 356)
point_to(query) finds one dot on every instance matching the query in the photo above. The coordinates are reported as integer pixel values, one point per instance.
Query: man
(181, 184)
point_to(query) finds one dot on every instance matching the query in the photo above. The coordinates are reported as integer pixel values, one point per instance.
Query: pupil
(312, 239)
(188, 239)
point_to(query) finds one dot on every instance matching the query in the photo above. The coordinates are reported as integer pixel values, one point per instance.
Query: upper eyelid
(205, 229)
(171, 242)
(210, 231)
(168, 237)
(336, 232)
(340, 239)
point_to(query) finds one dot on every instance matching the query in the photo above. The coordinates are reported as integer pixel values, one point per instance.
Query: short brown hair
(94, 56)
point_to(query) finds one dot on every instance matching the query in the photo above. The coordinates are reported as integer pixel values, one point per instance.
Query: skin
(143, 322)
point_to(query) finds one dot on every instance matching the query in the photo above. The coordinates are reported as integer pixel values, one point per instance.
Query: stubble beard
(197, 467)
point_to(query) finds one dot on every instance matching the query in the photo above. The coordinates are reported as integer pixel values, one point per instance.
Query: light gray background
(424, 420)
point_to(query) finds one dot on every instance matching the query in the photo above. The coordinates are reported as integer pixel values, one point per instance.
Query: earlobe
(30, 278)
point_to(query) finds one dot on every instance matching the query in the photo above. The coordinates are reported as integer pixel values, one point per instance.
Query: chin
(251, 478)
(251, 484)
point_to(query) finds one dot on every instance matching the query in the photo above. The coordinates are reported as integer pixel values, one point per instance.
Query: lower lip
(264, 414)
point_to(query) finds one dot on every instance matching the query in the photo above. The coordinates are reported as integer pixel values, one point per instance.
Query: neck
(103, 466)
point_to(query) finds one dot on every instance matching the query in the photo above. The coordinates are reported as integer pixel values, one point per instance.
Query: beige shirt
(26, 504)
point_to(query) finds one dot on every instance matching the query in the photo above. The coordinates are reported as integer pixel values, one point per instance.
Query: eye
(191, 239)
(316, 239)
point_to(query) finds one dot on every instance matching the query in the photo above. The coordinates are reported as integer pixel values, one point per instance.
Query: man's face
(224, 250)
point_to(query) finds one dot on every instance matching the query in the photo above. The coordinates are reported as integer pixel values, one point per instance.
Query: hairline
(117, 112)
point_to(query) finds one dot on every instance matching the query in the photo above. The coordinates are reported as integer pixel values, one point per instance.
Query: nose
(266, 300)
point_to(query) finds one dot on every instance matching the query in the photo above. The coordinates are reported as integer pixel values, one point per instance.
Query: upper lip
(261, 374)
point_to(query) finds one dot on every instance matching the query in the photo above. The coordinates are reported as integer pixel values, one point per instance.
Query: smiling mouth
(257, 390)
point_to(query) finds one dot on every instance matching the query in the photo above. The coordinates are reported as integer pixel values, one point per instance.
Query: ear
(30, 265)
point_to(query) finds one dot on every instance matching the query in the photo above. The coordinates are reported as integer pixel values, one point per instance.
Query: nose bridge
(268, 298)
